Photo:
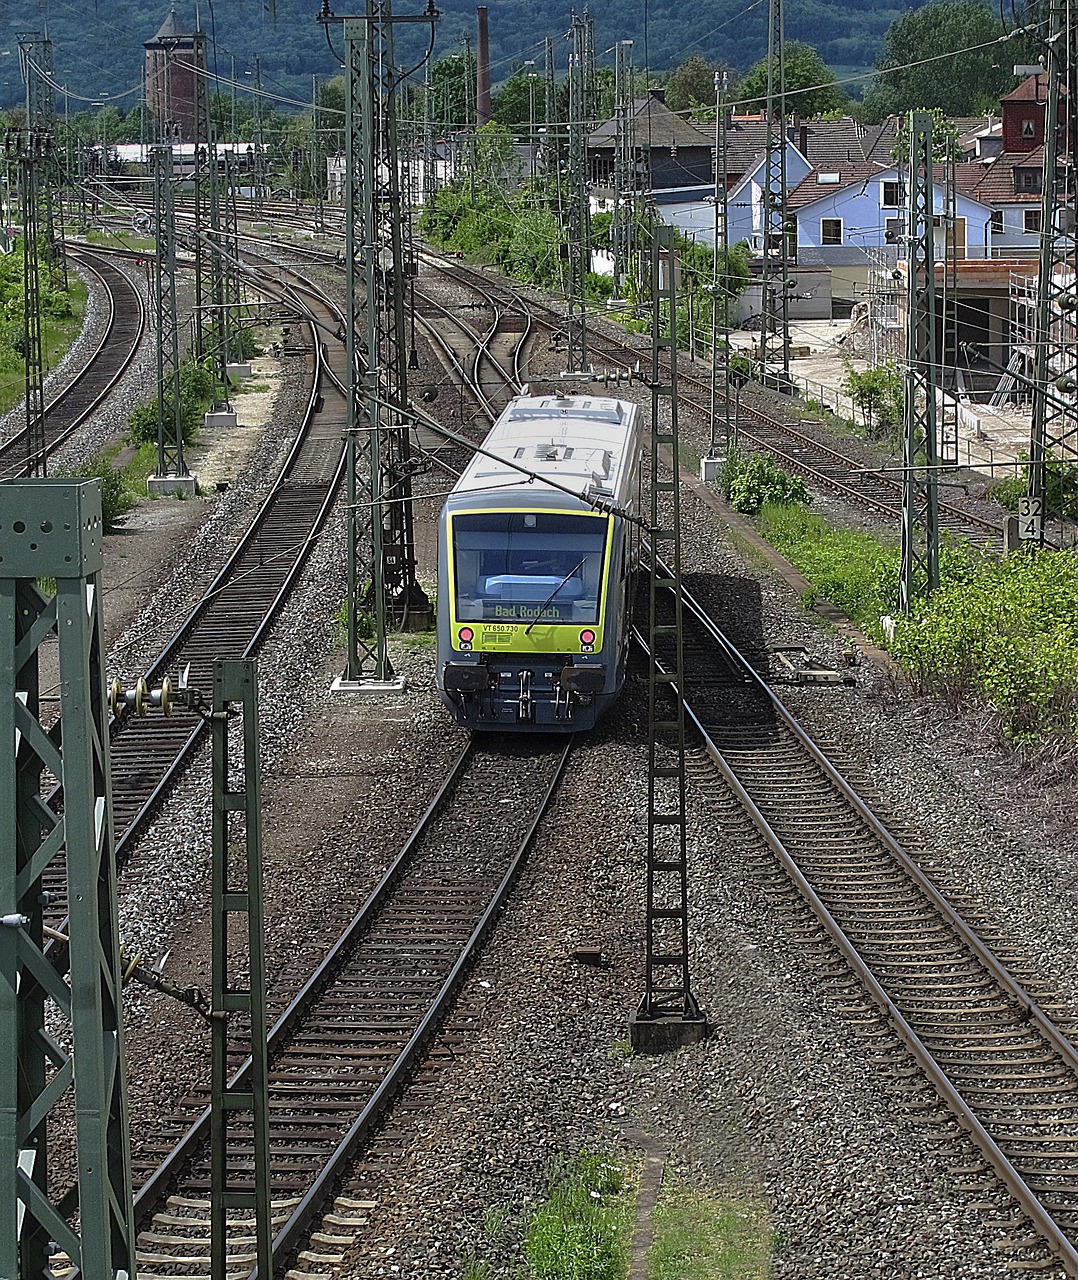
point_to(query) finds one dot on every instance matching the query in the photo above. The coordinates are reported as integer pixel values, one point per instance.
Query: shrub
(1060, 488)
(880, 395)
(116, 498)
(1006, 631)
(751, 482)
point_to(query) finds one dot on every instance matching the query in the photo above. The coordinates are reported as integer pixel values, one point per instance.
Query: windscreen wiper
(549, 599)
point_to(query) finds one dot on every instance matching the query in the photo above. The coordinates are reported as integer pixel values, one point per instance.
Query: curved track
(233, 615)
(344, 1050)
(995, 1058)
(820, 464)
(119, 341)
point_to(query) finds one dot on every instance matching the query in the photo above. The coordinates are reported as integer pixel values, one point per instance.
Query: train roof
(588, 444)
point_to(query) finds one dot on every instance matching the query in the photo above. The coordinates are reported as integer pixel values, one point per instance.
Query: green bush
(198, 392)
(1060, 488)
(1006, 631)
(116, 499)
(880, 395)
(753, 480)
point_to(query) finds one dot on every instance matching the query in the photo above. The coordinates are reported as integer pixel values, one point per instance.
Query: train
(537, 548)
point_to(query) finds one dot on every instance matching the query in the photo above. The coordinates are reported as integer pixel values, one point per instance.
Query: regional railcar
(535, 565)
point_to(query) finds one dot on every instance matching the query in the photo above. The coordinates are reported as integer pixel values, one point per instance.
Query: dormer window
(1029, 128)
(1027, 180)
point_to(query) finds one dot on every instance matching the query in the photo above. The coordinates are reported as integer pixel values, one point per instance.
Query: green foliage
(1005, 630)
(452, 81)
(853, 570)
(809, 83)
(945, 144)
(880, 395)
(692, 84)
(116, 498)
(198, 392)
(582, 1231)
(1060, 488)
(965, 84)
(750, 481)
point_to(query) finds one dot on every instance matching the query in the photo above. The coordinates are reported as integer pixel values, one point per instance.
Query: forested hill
(97, 46)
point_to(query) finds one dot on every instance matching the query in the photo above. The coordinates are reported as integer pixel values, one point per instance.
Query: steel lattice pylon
(382, 584)
(1054, 431)
(60, 1018)
(30, 149)
(775, 281)
(576, 320)
(920, 506)
(170, 459)
(35, 56)
(623, 223)
(238, 1002)
(668, 1014)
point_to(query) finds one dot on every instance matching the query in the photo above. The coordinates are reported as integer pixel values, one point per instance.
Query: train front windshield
(528, 565)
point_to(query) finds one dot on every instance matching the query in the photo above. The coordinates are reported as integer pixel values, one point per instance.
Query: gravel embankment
(783, 1104)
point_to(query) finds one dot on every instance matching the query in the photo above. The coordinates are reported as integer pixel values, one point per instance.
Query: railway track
(346, 1047)
(238, 607)
(822, 466)
(488, 362)
(991, 1053)
(115, 350)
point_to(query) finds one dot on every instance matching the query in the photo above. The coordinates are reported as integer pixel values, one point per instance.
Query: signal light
(587, 637)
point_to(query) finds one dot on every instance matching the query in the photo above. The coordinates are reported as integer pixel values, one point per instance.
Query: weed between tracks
(704, 1237)
(584, 1230)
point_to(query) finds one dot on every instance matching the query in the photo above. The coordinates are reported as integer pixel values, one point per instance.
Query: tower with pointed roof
(176, 92)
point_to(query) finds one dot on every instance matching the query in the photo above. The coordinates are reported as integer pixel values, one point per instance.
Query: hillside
(98, 51)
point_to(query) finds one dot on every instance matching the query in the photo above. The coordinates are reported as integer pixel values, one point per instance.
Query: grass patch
(122, 240)
(1000, 631)
(704, 1237)
(57, 335)
(856, 572)
(584, 1230)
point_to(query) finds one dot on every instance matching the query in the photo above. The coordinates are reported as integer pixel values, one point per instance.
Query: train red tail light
(587, 637)
(466, 634)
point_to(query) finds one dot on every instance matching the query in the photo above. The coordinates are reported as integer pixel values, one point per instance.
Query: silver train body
(534, 582)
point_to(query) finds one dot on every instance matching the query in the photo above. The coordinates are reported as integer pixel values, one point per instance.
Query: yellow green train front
(534, 582)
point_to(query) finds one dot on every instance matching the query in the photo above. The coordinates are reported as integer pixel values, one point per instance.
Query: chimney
(803, 133)
(482, 70)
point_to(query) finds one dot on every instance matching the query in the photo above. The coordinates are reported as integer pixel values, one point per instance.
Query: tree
(692, 84)
(453, 86)
(967, 83)
(808, 81)
(944, 138)
(521, 100)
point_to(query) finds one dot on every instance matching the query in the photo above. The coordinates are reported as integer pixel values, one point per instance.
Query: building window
(893, 195)
(997, 222)
(893, 230)
(830, 231)
(1031, 221)
(1029, 128)
(1027, 180)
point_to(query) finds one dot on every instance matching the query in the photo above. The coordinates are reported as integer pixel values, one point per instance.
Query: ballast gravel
(782, 1107)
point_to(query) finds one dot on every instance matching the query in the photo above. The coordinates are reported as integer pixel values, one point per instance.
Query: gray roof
(653, 124)
(171, 29)
(830, 144)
